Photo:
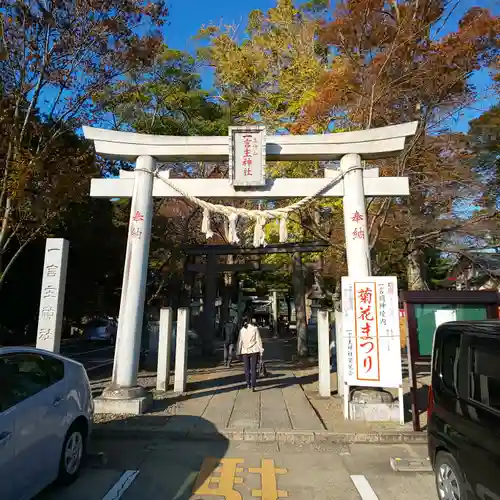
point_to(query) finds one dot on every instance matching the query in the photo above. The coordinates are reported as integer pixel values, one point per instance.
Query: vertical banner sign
(247, 156)
(52, 296)
(372, 350)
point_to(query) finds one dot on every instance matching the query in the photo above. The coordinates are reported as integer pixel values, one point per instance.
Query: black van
(464, 410)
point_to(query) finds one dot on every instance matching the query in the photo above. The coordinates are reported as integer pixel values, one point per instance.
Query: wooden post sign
(247, 156)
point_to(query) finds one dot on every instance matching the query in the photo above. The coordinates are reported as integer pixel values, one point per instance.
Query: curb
(258, 435)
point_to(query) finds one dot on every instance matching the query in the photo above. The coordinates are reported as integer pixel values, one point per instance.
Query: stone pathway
(285, 402)
(278, 403)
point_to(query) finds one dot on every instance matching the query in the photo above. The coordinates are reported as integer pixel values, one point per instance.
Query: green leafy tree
(166, 100)
(270, 73)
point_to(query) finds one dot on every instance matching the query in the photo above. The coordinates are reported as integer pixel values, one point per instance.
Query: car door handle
(57, 401)
(5, 436)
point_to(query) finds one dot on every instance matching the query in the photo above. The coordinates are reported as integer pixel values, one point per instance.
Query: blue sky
(187, 18)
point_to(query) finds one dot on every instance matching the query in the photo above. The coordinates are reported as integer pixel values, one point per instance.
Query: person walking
(250, 348)
(230, 337)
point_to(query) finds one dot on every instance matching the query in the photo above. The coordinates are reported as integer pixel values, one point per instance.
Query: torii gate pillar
(128, 343)
(355, 226)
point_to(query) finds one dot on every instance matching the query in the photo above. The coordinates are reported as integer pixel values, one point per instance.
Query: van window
(450, 352)
(484, 386)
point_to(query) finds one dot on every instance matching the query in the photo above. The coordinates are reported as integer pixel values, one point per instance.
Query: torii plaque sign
(247, 156)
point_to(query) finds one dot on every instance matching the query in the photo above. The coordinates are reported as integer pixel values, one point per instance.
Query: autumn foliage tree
(392, 62)
(266, 72)
(60, 55)
(373, 63)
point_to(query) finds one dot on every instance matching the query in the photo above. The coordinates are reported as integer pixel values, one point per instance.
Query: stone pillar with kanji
(355, 224)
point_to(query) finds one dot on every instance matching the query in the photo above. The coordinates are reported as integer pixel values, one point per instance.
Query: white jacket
(249, 341)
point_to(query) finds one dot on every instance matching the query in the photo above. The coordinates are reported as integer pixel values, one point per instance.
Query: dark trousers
(250, 361)
(228, 353)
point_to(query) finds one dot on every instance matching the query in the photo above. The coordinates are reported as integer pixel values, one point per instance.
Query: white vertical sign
(372, 351)
(52, 295)
(247, 155)
(444, 315)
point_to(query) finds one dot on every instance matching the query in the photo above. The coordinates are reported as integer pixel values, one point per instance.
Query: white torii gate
(350, 147)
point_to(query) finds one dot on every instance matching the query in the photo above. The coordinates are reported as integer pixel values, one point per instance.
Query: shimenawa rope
(261, 217)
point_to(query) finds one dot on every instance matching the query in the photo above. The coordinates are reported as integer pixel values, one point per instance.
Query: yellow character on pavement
(224, 482)
(268, 471)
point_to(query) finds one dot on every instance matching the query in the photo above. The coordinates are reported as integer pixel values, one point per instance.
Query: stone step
(410, 464)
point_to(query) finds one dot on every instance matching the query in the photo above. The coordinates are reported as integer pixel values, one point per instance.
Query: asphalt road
(181, 470)
(97, 358)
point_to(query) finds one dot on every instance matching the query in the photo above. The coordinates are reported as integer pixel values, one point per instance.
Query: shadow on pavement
(279, 356)
(177, 470)
(220, 386)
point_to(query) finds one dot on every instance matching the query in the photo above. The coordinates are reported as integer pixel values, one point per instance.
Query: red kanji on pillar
(356, 217)
(138, 217)
(358, 234)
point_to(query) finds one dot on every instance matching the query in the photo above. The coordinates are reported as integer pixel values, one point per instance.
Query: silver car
(46, 413)
(101, 330)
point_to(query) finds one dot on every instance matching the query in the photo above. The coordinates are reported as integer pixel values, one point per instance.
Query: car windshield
(96, 323)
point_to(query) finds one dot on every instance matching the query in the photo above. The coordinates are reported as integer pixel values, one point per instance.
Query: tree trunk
(190, 278)
(289, 307)
(12, 260)
(414, 272)
(227, 294)
(209, 312)
(300, 304)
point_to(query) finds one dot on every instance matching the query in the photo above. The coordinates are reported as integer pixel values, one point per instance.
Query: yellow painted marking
(227, 467)
(268, 472)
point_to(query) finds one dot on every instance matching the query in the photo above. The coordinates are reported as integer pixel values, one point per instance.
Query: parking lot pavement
(182, 470)
(96, 357)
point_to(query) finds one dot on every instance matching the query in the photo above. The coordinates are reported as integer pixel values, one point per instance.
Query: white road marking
(82, 353)
(364, 489)
(185, 485)
(99, 366)
(411, 451)
(119, 488)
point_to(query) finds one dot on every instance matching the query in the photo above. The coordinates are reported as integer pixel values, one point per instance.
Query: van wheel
(72, 454)
(449, 479)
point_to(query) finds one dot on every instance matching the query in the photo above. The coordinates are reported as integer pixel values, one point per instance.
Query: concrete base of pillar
(126, 401)
(375, 412)
(373, 405)
(371, 395)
